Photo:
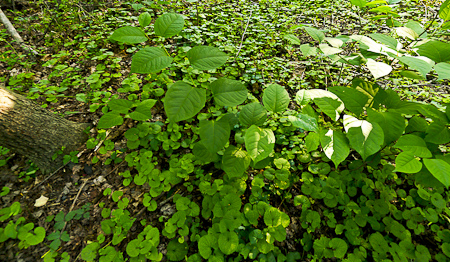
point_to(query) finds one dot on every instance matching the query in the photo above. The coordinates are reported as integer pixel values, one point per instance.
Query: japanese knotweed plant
(415, 55)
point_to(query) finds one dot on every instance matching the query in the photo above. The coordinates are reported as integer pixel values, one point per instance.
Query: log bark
(36, 133)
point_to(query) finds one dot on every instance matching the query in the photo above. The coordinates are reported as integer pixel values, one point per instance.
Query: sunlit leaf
(259, 142)
(335, 145)
(169, 24)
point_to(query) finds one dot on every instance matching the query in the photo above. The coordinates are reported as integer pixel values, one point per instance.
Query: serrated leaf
(378, 69)
(353, 99)
(439, 169)
(183, 101)
(150, 60)
(315, 34)
(143, 110)
(276, 98)
(235, 162)
(393, 124)
(227, 92)
(437, 133)
(169, 24)
(304, 122)
(129, 35)
(443, 70)
(252, 114)
(335, 145)
(259, 142)
(414, 145)
(120, 105)
(444, 11)
(405, 162)
(206, 57)
(308, 50)
(292, 39)
(109, 120)
(144, 19)
(214, 134)
(365, 137)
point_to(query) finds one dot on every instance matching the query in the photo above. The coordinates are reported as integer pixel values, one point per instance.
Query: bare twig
(243, 35)
(12, 31)
(75, 200)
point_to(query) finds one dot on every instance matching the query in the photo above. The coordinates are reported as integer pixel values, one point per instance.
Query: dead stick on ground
(14, 33)
(74, 201)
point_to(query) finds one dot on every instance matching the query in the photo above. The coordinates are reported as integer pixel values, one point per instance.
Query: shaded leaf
(169, 24)
(227, 92)
(183, 101)
(206, 57)
(150, 60)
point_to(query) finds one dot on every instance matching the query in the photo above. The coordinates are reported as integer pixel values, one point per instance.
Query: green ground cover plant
(239, 159)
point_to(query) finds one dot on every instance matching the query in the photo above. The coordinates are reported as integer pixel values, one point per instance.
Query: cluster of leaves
(377, 129)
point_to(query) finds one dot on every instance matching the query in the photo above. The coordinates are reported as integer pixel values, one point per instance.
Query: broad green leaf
(417, 27)
(406, 32)
(206, 245)
(335, 145)
(439, 169)
(353, 99)
(292, 39)
(228, 242)
(359, 3)
(143, 110)
(183, 101)
(315, 34)
(302, 98)
(443, 70)
(275, 98)
(259, 142)
(206, 57)
(416, 124)
(444, 11)
(386, 40)
(129, 35)
(375, 93)
(214, 134)
(437, 133)
(109, 120)
(412, 74)
(339, 247)
(150, 60)
(369, 45)
(331, 107)
(227, 92)
(235, 162)
(393, 124)
(432, 112)
(120, 105)
(203, 154)
(304, 122)
(378, 243)
(414, 145)
(144, 19)
(312, 141)
(169, 24)
(378, 69)
(308, 50)
(252, 114)
(328, 50)
(420, 63)
(406, 162)
(365, 137)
